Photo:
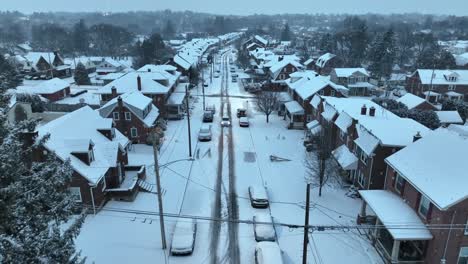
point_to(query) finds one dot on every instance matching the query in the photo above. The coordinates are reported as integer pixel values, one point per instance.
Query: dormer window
(128, 116)
(452, 78)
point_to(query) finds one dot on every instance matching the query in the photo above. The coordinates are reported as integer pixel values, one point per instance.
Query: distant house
(355, 79)
(325, 63)
(309, 64)
(255, 42)
(23, 48)
(46, 64)
(134, 115)
(415, 102)
(12, 111)
(279, 72)
(97, 154)
(53, 90)
(108, 65)
(462, 60)
(90, 66)
(364, 134)
(423, 190)
(434, 85)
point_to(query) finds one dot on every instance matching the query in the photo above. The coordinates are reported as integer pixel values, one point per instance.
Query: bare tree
(320, 166)
(267, 102)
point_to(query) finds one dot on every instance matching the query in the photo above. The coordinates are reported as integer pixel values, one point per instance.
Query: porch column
(395, 251)
(363, 208)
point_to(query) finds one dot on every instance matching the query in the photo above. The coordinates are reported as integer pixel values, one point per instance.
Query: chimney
(363, 110)
(114, 92)
(280, 58)
(372, 111)
(139, 82)
(149, 69)
(119, 102)
(417, 137)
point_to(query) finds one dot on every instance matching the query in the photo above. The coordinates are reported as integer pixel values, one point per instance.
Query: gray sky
(245, 7)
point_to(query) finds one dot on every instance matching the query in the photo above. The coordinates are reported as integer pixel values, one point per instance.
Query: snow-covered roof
(398, 217)
(366, 141)
(262, 40)
(34, 57)
(149, 83)
(269, 252)
(76, 130)
(277, 67)
(322, 60)
(346, 159)
(441, 77)
(343, 121)
(309, 61)
(449, 117)
(462, 59)
(346, 72)
(315, 101)
(436, 166)
(294, 107)
(328, 112)
(410, 100)
(156, 68)
(176, 99)
(46, 87)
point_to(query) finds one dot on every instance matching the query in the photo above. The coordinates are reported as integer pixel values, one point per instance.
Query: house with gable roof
(355, 79)
(45, 64)
(325, 63)
(279, 72)
(97, 153)
(53, 90)
(415, 102)
(423, 189)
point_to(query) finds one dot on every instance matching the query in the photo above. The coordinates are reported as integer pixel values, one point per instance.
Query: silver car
(225, 122)
(205, 133)
(183, 240)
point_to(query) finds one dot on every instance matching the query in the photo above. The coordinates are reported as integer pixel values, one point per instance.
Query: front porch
(175, 107)
(347, 161)
(128, 188)
(294, 115)
(397, 232)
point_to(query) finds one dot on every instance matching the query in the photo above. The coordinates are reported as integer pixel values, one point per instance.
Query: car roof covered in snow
(269, 253)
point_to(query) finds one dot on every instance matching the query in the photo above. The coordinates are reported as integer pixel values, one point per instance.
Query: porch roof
(294, 108)
(346, 159)
(399, 218)
(176, 99)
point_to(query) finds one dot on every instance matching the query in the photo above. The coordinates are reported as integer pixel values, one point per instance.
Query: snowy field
(188, 189)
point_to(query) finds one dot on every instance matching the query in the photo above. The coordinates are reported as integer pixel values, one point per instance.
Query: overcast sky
(245, 7)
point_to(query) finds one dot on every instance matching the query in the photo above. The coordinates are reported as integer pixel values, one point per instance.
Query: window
(321, 92)
(281, 76)
(116, 115)
(342, 135)
(424, 206)
(134, 132)
(451, 87)
(332, 93)
(128, 116)
(363, 157)
(399, 183)
(466, 228)
(361, 179)
(463, 257)
(76, 193)
(91, 155)
(308, 118)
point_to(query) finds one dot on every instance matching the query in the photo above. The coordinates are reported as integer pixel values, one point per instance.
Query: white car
(205, 133)
(183, 240)
(225, 121)
(258, 197)
(268, 253)
(216, 75)
(263, 227)
(244, 122)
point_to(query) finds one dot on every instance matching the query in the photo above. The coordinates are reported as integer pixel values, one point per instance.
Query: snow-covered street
(189, 189)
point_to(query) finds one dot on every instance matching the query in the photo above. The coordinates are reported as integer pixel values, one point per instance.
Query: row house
(279, 72)
(97, 153)
(363, 134)
(325, 63)
(53, 90)
(157, 82)
(355, 79)
(302, 86)
(191, 53)
(421, 215)
(45, 64)
(134, 115)
(434, 85)
(415, 102)
(255, 42)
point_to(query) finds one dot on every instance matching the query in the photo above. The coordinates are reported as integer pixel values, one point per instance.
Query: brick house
(134, 115)
(97, 154)
(255, 41)
(157, 83)
(325, 63)
(53, 90)
(422, 188)
(415, 102)
(367, 130)
(355, 79)
(436, 84)
(302, 86)
(279, 72)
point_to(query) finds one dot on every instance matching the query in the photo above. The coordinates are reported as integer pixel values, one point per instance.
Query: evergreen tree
(81, 75)
(382, 55)
(286, 33)
(152, 51)
(169, 30)
(80, 36)
(8, 75)
(352, 41)
(327, 43)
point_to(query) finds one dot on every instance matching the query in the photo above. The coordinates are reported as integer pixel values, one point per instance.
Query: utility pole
(158, 186)
(203, 87)
(306, 226)
(188, 120)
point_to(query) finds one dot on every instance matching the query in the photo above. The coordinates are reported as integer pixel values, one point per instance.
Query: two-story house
(279, 72)
(368, 131)
(436, 84)
(53, 90)
(325, 63)
(415, 102)
(134, 115)
(255, 42)
(97, 154)
(49, 64)
(421, 216)
(355, 79)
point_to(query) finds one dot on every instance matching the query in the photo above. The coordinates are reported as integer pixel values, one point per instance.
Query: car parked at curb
(208, 116)
(244, 122)
(205, 133)
(268, 253)
(258, 197)
(183, 240)
(225, 121)
(264, 229)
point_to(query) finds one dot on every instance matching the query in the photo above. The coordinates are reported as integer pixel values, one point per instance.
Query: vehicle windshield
(225, 118)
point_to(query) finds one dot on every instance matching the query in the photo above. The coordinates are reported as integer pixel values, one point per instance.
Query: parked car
(234, 80)
(263, 227)
(235, 75)
(216, 75)
(241, 112)
(268, 253)
(205, 133)
(258, 197)
(183, 240)
(205, 84)
(211, 108)
(244, 122)
(208, 116)
(225, 121)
